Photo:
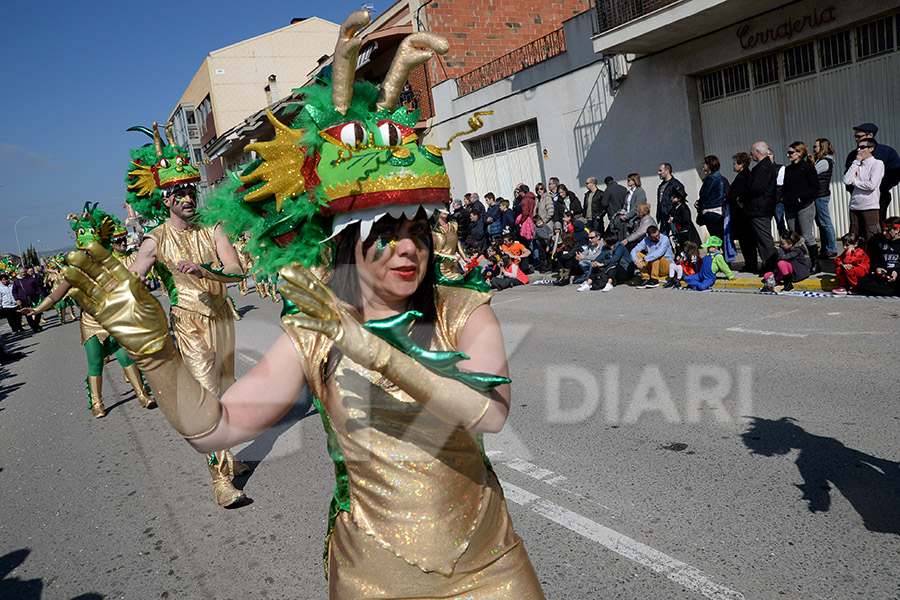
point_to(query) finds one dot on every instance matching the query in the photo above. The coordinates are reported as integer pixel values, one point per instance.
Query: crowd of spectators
(609, 236)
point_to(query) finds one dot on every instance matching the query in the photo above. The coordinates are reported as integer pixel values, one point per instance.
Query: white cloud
(17, 160)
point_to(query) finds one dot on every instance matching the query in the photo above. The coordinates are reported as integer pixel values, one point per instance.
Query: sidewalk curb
(816, 283)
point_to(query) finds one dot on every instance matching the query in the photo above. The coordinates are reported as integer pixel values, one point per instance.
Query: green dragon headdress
(94, 224)
(156, 171)
(350, 155)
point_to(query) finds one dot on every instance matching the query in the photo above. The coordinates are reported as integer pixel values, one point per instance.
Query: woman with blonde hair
(644, 220)
(823, 153)
(799, 194)
(628, 214)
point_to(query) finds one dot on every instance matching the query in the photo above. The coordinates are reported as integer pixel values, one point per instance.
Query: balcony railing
(612, 13)
(519, 59)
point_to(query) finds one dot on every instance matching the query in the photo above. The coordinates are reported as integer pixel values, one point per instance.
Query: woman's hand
(320, 310)
(115, 296)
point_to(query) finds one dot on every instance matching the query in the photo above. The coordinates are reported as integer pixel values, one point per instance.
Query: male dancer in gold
(201, 318)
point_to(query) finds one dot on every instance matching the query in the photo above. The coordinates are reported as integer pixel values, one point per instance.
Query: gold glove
(320, 310)
(115, 296)
(45, 304)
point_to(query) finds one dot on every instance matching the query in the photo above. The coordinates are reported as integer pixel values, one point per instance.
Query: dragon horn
(157, 140)
(414, 50)
(169, 136)
(142, 129)
(343, 65)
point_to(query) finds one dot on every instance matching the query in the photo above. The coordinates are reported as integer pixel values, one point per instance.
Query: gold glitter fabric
(445, 246)
(203, 296)
(89, 325)
(426, 516)
(207, 346)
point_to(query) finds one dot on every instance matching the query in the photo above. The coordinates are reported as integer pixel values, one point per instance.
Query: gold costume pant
(207, 346)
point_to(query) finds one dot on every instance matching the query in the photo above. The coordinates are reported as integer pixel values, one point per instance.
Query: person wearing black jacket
(885, 154)
(759, 203)
(664, 197)
(738, 222)
(884, 257)
(613, 199)
(801, 182)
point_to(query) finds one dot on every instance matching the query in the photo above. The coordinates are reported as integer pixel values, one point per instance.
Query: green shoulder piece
(395, 331)
(473, 280)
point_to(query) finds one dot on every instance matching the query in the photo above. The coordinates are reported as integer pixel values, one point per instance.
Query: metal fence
(612, 13)
(519, 59)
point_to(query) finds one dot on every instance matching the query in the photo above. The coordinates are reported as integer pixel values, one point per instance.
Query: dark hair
(742, 158)
(562, 188)
(667, 167)
(489, 195)
(791, 236)
(524, 188)
(652, 229)
(850, 238)
(608, 180)
(869, 142)
(554, 180)
(610, 239)
(712, 162)
(677, 192)
(345, 285)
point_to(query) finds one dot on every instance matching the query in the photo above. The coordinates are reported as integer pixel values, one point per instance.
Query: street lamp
(16, 229)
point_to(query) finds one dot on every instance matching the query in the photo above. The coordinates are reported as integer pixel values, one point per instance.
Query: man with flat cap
(884, 153)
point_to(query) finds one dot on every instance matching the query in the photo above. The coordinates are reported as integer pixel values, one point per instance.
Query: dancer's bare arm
(146, 257)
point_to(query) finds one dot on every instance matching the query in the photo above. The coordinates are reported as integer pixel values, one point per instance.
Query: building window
(834, 50)
(799, 61)
(875, 38)
(501, 141)
(765, 70)
(737, 79)
(711, 86)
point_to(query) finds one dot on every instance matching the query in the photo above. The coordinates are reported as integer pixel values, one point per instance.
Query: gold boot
(220, 467)
(62, 316)
(242, 287)
(274, 292)
(233, 309)
(238, 468)
(133, 376)
(72, 313)
(95, 386)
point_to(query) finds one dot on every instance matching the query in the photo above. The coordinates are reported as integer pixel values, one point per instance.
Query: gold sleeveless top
(418, 486)
(197, 244)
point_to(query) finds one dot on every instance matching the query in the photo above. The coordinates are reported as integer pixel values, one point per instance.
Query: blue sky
(76, 75)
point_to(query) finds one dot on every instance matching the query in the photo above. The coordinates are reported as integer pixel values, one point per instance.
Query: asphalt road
(662, 445)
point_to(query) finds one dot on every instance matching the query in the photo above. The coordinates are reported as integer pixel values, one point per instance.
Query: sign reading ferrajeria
(750, 37)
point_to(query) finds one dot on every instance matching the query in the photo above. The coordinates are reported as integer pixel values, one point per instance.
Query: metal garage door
(818, 89)
(505, 159)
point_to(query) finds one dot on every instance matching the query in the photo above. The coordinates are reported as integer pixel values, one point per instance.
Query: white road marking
(679, 572)
(505, 301)
(540, 474)
(762, 332)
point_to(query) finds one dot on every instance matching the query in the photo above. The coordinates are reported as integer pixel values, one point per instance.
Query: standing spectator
(791, 267)
(852, 264)
(593, 206)
(475, 203)
(525, 219)
(652, 256)
(566, 202)
(492, 216)
(543, 235)
(681, 222)
(507, 218)
(613, 201)
(759, 203)
(823, 153)
(27, 294)
(477, 239)
(643, 222)
(545, 203)
(884, 153)
(460, 213)
(711, 205)
(664, 196)
(779, 203)
(737, 223)
(801, 182)
(553, 186)
(864, 179)
(884, 260)
(9, 306)
(636, 195)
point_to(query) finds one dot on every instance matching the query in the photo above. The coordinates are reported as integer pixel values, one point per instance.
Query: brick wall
(480, 31)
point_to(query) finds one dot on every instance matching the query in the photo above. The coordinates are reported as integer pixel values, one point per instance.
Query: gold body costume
(204, 328)
(417, 506)
(446, 245)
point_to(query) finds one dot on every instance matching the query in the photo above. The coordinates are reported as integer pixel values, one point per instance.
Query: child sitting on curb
(712, 263)
(688, 262)
(792, 265)
(852, 264)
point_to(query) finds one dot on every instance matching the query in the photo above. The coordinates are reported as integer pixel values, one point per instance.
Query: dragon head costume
(94, 224)
(350, 155)
(155, 171)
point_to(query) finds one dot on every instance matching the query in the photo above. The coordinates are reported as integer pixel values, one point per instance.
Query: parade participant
(417, 510)
(54, 279)
(94, 224)
(161, 187)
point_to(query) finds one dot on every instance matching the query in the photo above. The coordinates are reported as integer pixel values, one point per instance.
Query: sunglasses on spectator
(859, 135)
(592, 237)
(864, 146)
(792, 151)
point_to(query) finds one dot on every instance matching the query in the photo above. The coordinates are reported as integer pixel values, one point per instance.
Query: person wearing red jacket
(852, 264)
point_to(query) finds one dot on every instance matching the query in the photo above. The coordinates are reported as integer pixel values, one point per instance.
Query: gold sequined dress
(417, 511)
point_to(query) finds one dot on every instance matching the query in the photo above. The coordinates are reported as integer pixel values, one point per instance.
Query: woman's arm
(482, 341)
(257, 400)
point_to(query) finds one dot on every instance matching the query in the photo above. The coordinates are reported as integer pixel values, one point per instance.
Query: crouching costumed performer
(105, 231)
(341, 201)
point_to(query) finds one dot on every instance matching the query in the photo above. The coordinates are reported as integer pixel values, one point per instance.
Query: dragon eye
(394, 134)
(91, 231)
(163, 163)
(81, 231)
(180, 161)
(351, 134)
